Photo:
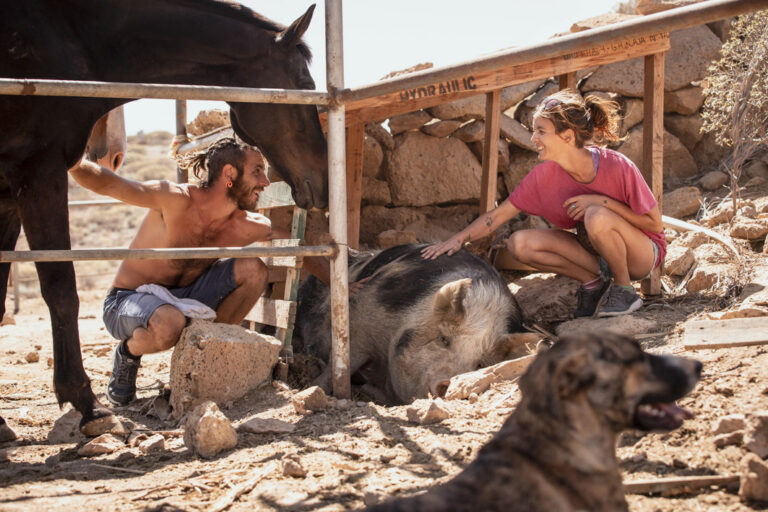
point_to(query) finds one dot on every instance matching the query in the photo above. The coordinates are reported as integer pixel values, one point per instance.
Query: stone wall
(422, 169)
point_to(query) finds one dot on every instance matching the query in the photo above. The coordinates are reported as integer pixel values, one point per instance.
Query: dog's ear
(574, 372)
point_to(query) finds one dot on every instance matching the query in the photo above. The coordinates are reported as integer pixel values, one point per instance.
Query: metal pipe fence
(335, 99)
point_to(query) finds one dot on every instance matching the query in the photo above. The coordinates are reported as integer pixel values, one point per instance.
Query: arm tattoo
(488, 222)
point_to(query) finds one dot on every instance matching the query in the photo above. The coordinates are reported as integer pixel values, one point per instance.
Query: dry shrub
(736, 91)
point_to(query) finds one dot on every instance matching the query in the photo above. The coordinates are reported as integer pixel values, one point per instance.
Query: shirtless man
(214, 214)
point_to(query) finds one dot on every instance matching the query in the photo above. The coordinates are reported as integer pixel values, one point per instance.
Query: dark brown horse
(203, 42)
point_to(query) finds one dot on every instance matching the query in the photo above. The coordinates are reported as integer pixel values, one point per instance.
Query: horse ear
(292, 35)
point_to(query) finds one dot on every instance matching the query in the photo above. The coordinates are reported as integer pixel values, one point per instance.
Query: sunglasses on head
(551, 102)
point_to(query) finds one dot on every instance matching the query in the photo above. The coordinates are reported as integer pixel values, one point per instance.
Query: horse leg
(9, 233)
(42, 201)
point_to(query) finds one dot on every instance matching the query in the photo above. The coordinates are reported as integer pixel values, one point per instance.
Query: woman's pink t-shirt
(546, 188)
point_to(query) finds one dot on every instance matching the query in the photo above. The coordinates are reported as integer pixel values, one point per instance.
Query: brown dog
(557, 451)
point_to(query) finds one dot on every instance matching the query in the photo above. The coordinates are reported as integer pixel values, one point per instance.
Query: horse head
(297, 126)
(107, 144)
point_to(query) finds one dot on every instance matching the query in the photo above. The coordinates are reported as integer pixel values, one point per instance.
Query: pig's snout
(440, 388)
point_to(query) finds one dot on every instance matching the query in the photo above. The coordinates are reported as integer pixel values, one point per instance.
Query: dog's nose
(697, 366)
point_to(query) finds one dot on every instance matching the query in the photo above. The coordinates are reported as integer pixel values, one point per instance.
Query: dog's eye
(446, 342)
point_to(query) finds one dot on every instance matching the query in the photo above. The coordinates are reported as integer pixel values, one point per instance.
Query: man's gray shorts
(127, 310)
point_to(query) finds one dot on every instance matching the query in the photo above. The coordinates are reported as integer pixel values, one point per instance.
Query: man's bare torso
(183, 223)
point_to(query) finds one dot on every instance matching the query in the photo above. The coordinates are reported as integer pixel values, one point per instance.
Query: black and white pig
(415, 323)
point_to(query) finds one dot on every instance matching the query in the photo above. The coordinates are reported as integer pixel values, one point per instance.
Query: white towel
(190, 307)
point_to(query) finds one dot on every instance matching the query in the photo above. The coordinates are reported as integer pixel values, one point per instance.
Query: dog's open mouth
(661, 416)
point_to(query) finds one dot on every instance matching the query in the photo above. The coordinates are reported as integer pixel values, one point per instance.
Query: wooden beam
(658, 485)
(408, 100)
(653, 144)
(490, 151)
(733, 332)
(355, 145)
(568, 80)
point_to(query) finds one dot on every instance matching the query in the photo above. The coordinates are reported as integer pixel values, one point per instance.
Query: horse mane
(237, 11)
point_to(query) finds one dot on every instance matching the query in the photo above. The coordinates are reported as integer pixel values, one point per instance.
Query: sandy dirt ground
(354, 453)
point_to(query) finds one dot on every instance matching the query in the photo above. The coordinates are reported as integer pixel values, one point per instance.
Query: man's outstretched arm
(150, 194)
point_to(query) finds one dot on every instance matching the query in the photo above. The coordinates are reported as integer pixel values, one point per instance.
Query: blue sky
(383, 36)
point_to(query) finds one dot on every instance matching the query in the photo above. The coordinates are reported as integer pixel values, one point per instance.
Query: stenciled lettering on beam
(618, 46)
(462, 84)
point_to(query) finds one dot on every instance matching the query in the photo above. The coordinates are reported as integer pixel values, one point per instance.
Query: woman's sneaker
(587, 301)
(121, 389)
(620, 301)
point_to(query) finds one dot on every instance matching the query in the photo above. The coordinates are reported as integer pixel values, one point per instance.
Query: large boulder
(220, 363)
(708, 154)
(375, 191)
(685, 128)
(409, 121)
(602, 20)
(426, 170)
(654, 6)
(525, 110)
(685, 101)
(632, 114)
(471, 131)
(678, 162)
(503, 153)
(474, 106)
(382, 136)
(373, 156)
(520, 164)
(682, 202)
(516, 133)
(693, 49)
(429, 224)
(438, 128)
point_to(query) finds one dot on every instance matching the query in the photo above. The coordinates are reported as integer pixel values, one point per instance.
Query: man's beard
(242, 195)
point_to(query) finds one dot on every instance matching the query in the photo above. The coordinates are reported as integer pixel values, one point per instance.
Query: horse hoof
(6, 434)
(103, 425)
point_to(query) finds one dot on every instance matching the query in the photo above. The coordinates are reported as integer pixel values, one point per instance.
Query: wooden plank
(355, 144)
(490, 151)
(678, 482)
(568, 80)
(388, 105)
(279, 313)
(653, 144)
(733, 332)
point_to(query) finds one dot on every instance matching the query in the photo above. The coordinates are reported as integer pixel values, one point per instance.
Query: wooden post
(568, 81)
(653, 144)
(490, 151)
(355, 145)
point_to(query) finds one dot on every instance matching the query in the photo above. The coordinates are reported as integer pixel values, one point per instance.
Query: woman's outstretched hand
(449, 247)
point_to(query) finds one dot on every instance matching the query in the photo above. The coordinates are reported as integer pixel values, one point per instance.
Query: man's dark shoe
(121, 389)
(620, 301)
(587, 301)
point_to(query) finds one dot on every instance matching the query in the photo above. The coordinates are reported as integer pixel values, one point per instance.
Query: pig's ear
(449, 300)
(518, 344)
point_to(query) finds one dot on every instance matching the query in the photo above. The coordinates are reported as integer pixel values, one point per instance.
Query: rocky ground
(357, 452)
